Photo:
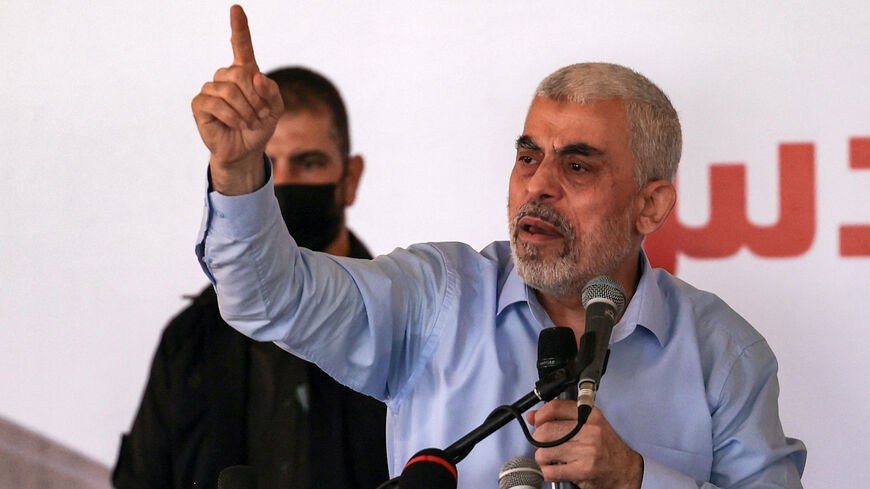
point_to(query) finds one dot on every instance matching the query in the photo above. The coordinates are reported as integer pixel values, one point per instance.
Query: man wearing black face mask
(314, 172)
(216, 398)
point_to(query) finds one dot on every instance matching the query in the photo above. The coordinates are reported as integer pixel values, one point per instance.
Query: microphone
(557, 348)
(237, 477)
(520, 473)
(603, 299)
(429, 469)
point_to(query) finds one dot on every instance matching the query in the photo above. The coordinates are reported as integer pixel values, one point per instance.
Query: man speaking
(443, 333)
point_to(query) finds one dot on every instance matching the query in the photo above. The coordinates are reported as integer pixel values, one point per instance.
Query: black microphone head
(428, 469)
(604, 289)
(556, 347)
(520, 473)
(237, 477)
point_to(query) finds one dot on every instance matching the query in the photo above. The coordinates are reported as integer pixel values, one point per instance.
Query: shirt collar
(646, 308)
(357, 248)
(512, 290)
(515, 290)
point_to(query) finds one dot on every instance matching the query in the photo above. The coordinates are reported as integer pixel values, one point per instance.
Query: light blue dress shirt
(443, 334)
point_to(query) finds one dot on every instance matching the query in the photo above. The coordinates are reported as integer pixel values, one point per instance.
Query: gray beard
(554, 277)
(565, 275)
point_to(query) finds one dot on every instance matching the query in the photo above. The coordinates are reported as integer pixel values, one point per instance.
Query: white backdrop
(102, 170)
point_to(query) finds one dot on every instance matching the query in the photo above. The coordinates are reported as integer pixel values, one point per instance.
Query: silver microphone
(604, 300)
(520, 473)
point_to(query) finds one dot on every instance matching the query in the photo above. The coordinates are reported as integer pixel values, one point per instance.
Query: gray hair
(656, 138)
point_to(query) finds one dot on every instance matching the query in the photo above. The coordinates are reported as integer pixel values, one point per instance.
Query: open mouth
(538, 229)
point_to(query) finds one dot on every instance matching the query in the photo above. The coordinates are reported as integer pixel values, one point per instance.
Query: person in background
(215, 398)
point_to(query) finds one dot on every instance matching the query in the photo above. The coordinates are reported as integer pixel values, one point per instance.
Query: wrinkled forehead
(552, 124)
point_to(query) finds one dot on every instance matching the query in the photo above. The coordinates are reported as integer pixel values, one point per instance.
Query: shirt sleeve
(749, 447)
(367, 323)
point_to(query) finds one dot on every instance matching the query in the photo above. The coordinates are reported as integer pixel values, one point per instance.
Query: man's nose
(546, 182)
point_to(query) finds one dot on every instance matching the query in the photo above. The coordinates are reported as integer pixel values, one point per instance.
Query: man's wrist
(239, 178)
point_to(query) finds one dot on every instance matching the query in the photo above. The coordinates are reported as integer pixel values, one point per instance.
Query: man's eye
(526, 159)
(577, 167)
(311, 164)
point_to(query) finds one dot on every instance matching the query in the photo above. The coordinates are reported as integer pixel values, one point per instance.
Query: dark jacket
(192, 422)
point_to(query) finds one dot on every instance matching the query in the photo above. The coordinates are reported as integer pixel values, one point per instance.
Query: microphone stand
(545, 390)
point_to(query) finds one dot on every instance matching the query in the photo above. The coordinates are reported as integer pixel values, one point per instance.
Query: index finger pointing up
(243, 48)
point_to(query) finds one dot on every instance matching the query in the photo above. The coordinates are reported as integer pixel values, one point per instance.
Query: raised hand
(236, 114)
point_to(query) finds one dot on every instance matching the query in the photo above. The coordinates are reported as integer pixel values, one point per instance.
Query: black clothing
(216, 398)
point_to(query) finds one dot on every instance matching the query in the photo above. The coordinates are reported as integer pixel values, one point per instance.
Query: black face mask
(311, 212)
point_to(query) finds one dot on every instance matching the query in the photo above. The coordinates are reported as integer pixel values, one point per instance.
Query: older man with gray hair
(443, 333)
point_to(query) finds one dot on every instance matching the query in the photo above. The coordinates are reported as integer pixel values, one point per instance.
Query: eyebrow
(583, 149)
(299, 157)
(526, 142)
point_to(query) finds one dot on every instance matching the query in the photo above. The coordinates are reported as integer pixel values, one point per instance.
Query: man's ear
(355, 167)
(655, 202)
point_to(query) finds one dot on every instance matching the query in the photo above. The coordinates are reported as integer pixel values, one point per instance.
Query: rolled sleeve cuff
(241, 217)
(235, 218)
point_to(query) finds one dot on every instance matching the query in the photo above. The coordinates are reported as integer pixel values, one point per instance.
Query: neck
(565, 311)
(341, 245)
(568, 310)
